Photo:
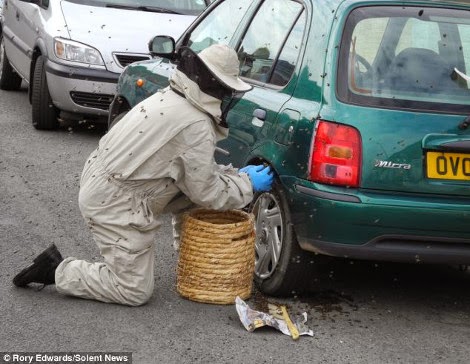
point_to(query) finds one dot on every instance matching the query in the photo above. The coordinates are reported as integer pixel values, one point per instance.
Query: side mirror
(162, 46)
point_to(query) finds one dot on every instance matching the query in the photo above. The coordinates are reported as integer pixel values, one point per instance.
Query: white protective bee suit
(163, 147)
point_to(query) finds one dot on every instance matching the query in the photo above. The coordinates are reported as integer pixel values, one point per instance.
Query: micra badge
(389, 164)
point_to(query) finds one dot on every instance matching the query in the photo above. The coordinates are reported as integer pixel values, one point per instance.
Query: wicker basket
(217, 256)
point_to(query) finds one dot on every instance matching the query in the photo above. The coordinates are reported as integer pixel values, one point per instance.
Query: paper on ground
(253, 319)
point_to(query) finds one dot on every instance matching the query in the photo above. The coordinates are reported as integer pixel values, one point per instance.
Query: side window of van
(219, 26)
(266, 37)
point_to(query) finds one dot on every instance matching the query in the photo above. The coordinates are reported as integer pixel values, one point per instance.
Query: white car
(71, 52)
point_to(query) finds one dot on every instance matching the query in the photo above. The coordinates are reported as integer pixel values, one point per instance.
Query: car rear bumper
(377, 226)
(81, 90)
(397, 248)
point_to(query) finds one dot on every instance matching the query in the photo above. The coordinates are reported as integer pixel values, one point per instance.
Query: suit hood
(202, 101)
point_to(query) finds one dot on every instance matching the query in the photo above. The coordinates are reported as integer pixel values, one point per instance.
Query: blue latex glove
(244, 169)
(261, 177)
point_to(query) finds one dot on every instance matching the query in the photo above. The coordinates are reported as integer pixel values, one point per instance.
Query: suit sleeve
(207, 184)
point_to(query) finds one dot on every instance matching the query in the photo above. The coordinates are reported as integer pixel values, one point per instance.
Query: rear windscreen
(406, 58)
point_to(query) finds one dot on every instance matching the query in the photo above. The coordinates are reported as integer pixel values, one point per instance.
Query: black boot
(42, 270)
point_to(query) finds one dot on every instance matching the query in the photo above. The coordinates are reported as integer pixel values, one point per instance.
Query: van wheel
(9, 79)
(44, 112)
(282, 268)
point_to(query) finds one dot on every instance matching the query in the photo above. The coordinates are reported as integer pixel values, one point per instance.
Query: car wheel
(113, 122)
(9, 79)
(44, 112)
(282, 268)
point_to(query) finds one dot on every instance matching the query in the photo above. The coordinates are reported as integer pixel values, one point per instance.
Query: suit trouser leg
(124, 234)
(103, 282)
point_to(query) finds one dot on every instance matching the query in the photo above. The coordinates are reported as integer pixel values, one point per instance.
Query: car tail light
(335, 156)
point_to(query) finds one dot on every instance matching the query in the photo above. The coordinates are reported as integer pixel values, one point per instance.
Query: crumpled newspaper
(253, 319)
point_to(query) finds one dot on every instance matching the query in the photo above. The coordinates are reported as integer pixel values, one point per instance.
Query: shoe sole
(51, 254)
(19, 278)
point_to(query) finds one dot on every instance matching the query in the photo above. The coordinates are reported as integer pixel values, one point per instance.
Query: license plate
(441, 165)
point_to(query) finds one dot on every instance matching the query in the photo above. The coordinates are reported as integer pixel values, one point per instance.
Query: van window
(183, 7)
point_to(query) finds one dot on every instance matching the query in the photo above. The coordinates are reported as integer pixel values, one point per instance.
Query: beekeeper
(158, 158)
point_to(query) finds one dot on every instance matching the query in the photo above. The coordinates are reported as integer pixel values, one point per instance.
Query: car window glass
(265, 37)
(219, 26)
(406, 56)
(464, 31)
(373, 30)
(419, 34)
(285, 65)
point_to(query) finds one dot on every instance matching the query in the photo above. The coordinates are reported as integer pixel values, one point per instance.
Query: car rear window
(413, 58)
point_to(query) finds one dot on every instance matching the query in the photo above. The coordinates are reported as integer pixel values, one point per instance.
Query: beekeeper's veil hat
(214, 70)
(222, 62)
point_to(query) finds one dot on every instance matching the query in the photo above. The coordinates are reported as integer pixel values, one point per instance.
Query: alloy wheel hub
(269, 233)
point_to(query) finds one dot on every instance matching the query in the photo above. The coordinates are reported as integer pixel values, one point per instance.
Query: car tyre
(282, 268)
(44, 113)
(9, 79)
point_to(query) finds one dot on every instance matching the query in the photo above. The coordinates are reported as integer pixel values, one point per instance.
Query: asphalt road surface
(369, 312)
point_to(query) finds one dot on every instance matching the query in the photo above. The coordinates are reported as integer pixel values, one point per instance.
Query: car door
(20, 33)
(268, 52)
(267, 36)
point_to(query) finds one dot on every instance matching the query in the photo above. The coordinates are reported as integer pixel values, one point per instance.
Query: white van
(71, 52)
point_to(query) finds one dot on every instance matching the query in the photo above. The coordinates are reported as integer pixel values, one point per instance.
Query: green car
(362, 108)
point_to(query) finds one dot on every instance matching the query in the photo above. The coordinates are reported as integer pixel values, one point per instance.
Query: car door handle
(260, 114)
(17, 16)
